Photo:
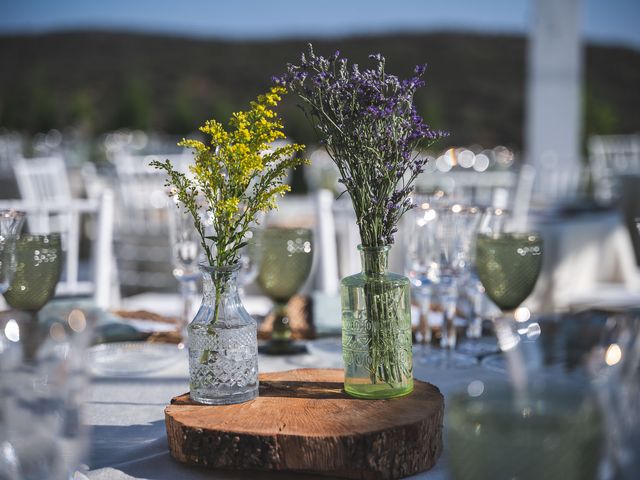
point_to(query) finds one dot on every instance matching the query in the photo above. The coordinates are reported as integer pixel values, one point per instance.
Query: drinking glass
(285, 265)
(421, 265)
(186, 250)
(43, 385)
(553, 431)
(491, 220)
(614, 365)
(250, 258)
(11, 222)
(42, 373)
(454, 227)
(508, 266)
(38, 267)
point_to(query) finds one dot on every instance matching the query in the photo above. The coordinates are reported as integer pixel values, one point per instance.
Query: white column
(554, 81)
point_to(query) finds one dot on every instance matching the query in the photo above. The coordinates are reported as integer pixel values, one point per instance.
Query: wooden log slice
(303, 421)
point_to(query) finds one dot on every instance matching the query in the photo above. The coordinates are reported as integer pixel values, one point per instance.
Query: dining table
(126, 415)
(124, 407)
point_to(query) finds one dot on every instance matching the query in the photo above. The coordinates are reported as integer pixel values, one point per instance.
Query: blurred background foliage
(99, 81)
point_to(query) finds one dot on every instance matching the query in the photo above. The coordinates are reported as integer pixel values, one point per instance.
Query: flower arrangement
(370, 126)
(235, 176)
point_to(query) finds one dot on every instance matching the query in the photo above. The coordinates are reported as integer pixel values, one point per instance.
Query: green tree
(133, 109)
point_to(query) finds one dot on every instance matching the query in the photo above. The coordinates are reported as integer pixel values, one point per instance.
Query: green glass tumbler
(376, 329)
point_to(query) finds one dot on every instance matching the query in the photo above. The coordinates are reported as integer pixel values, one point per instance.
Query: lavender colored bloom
(369, 124)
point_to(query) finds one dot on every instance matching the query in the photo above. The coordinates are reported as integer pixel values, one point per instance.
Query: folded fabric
(107, 326)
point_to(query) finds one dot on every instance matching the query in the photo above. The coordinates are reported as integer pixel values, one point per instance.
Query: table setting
(441, 370)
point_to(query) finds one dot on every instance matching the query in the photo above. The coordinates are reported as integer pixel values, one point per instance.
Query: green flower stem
(381, 305)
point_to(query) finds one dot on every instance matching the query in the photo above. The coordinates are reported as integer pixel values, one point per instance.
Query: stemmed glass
(11, 222)
(491, 220)
(420, 264)
(508, 265)
(38, 267)
(455, 226)
(186, 250)
(42, 369)
(284, 267)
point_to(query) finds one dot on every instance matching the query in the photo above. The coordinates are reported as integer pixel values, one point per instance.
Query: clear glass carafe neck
(375, 260)
(220, 287)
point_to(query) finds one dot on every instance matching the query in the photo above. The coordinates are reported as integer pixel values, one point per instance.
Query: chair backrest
(141, 225)
(43, 179)
(611, 156)
(141, 192)
(10, 150)
(325, 241)
(101, 283)
(488, 188)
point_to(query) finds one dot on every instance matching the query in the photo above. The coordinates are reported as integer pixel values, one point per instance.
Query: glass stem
(281, 331)
(508, 340)
(189, 292)
(30, 333)
(449, 300)
(424, 327)
(474, 329)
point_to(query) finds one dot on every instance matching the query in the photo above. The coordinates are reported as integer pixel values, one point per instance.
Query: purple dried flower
(420, 69)
(370, 126)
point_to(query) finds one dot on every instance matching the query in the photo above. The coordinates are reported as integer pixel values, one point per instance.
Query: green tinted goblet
(508, 265)
(38, 266)
(284, 267)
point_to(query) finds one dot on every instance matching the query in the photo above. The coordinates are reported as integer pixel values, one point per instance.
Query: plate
(124, 359)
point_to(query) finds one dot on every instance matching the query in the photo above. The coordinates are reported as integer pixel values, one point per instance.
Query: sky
(604, 21)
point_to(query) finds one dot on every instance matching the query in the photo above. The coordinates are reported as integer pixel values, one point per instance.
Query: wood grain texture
(304, 422)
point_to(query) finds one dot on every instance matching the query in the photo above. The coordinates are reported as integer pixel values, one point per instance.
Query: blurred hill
(103, 80)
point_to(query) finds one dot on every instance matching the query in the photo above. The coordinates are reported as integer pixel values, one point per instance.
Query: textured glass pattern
(230, 366)
(38, 266)
(376, 330)
(286, 261)
(508, 265)
(223, 354)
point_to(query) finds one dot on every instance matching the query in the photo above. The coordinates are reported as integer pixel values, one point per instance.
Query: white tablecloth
(128, 437)
(588, 259)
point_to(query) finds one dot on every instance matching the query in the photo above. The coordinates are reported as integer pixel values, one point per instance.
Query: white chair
(142, 194)
(141, 224)
(611, 156)
(10, 149)
(42, 180)
(102, 284)
(489, 188)
(325, 241)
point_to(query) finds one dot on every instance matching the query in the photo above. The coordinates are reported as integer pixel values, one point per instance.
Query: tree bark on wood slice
(303, 421)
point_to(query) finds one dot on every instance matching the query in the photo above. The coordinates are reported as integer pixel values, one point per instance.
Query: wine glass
(420, 263)
(285, 265)
(508, 265)
(11, 222)
(42, 369)
(491, 220)
(38, 267)
(186, 250)
(455, 225)
(250, 258)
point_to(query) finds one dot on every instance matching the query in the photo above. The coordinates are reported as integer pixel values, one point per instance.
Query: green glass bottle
(376, 329)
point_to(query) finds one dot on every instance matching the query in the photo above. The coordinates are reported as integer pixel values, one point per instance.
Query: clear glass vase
(376, 329)
(223, 343)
